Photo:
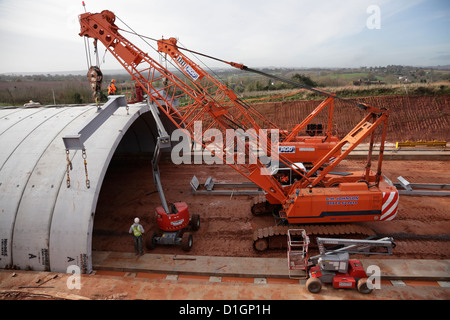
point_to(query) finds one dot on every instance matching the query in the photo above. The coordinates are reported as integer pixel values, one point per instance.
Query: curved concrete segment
(45, 225)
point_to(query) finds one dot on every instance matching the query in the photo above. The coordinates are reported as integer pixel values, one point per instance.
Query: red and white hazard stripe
(390, 206)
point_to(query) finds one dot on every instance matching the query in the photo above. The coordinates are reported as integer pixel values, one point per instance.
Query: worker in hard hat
(137, 231)
(112, 88)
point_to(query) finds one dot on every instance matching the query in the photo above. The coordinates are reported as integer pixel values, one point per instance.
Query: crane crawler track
(275, 237)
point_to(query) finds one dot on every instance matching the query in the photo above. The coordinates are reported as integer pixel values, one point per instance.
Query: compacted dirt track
(421, 228)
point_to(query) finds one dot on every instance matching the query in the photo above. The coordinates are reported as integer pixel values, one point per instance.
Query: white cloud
(257, 33)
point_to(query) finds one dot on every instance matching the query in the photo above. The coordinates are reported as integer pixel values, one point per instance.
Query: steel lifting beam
(76, 141)
(224, 189)
(249, 188)
(421, 189)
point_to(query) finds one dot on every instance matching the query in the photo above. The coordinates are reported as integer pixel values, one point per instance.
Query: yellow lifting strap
(434, 143)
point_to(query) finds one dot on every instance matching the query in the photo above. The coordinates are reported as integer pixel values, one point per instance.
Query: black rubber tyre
(314, 285)
(187, 241)
(259, 209)
(195, 222)
(363, 287)
(261, 245)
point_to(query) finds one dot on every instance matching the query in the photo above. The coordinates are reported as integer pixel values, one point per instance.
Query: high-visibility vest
(111, 88)
(136, 230)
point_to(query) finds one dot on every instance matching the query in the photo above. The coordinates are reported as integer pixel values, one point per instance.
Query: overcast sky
(42, 35)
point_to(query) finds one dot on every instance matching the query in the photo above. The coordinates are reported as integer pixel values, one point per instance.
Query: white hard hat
(136, 220)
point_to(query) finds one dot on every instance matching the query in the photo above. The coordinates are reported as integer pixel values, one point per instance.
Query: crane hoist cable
(240, 101)
(94, 73)
(231, 122)
(87, 52)
(268, 75)
(242, 67)
(375, 111)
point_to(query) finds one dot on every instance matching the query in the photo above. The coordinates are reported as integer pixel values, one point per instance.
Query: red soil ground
(422, 224)
(227, 223)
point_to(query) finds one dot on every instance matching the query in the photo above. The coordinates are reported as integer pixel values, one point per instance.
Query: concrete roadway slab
(124, 276)
(390, 269)
(438, 155)
(186, 264)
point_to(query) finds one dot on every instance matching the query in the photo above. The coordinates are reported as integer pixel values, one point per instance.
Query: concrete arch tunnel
(44, 224)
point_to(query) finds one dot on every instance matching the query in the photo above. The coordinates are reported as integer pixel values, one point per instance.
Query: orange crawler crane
(319, 195)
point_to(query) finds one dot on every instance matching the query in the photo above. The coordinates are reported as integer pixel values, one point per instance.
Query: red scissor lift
(333, 265)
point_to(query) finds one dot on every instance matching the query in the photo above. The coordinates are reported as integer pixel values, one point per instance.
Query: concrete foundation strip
(391, 269)
(246, 189)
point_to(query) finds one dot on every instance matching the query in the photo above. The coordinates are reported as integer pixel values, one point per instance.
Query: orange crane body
(349, 202)
(309, 150)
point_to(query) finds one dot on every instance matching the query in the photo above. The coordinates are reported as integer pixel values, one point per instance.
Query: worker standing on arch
(112, 88)
(137, 231)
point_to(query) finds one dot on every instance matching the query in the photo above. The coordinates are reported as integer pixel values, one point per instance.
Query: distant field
(64, 92)
(434, 89)
(347, 76)
(74, 89)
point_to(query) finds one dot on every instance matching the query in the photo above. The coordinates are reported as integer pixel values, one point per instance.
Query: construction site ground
(206, 278)
(222, 263)
(421, 228)
(223, 244)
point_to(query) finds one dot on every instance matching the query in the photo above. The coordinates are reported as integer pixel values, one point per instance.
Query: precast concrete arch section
(44, 223)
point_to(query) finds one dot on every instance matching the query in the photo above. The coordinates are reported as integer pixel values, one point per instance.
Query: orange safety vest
(112, 88)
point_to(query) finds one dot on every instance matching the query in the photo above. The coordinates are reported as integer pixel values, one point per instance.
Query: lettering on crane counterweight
(333, 201)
